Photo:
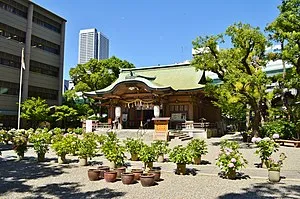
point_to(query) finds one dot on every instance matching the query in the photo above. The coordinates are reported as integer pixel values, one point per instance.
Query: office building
(92, 45)
(41, 33)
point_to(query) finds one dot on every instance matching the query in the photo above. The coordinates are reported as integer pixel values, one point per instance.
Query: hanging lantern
(118, 112)
(156, 110)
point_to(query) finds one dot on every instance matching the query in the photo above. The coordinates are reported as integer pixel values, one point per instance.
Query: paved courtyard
(29, 179)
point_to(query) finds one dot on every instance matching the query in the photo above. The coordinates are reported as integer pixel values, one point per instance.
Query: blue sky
(152, 32)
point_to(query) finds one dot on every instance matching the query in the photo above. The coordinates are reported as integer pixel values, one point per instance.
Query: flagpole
(20, 89)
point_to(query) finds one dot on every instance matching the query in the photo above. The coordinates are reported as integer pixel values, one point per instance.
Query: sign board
(161, 130)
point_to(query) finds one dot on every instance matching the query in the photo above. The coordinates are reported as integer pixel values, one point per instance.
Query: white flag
(23, 59)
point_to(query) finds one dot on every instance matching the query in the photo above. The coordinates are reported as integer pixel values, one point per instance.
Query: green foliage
(5, 136)
(147, 154)
(274, 165)
(35, 110)
(239, 68)
(113, 150)
(197, 147)
(41, 138)
(133, 146)
(230, 158)
(266, 147)
(283, 127)
(65, 114)
(180, 155)
(87, 145)
(101, 139)
(97, 74)
(160, 147)
(64, 144)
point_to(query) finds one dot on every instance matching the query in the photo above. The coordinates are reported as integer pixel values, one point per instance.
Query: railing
(206, 125)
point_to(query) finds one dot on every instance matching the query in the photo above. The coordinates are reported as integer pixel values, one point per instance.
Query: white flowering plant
(41, 139)
(229, 158)
(87, 145)
(64, 144)
(266, 147)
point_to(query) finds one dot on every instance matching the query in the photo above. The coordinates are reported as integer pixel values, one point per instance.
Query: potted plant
(113, 150)
(181, 156)
(19, 140)
(197, 148)
(64, 144)
(133, 146)
(5, 136)
(230, 160)
(266, 147)
(87, 145)
(274, 168)
(148, 156)
(160, 147)
(41, 139)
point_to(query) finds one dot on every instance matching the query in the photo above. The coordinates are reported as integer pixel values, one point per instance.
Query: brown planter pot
(137, 173)
(41, 157)
(127, 178)
(156, 173)
(134, 157)
(119, 171)
(110, 176)
(147, 179)
(197, 160)
(93, 174)
(181, 169)
(103, 169)
(231, 175)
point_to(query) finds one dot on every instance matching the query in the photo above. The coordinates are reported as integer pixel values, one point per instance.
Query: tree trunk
(256, 122)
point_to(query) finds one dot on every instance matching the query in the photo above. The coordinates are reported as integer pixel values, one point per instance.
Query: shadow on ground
(72, 190)
(266, 190)
(14, 174)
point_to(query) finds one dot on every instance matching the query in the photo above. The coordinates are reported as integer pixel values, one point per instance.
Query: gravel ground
(28, 179)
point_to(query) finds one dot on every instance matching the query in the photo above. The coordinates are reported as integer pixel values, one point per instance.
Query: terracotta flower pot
(147, 179)
(181, 169)
(119, 171)
(93, 174)
(197, 160)
(156, 173)
(103, 169)
(274, 175)
(110, 176)
(137, 173)
(127, 178)
(134, 157)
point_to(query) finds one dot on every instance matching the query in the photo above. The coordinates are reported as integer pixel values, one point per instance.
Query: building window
(10, 60)
(12, 33)
(14, 7)
(44, 68)
(9, 88)
(45, 45)
(43, 93)
(46, 22)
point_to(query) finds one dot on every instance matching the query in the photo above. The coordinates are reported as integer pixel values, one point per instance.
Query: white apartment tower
(92, 45)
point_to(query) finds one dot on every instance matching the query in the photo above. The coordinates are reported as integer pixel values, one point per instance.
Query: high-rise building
(92, 45)
(41, 33)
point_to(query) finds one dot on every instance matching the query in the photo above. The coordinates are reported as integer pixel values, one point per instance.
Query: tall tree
(65, 114)
(238, 67)
(97, 74)
(285, 30)
(35, 110)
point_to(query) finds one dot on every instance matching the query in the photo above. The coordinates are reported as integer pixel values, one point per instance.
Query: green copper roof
(176, 77)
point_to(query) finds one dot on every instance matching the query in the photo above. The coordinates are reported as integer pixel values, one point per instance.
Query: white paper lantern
(156, 111)
(118, 112)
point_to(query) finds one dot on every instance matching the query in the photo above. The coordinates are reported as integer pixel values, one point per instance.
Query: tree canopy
(238, 67)
(97, 74)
